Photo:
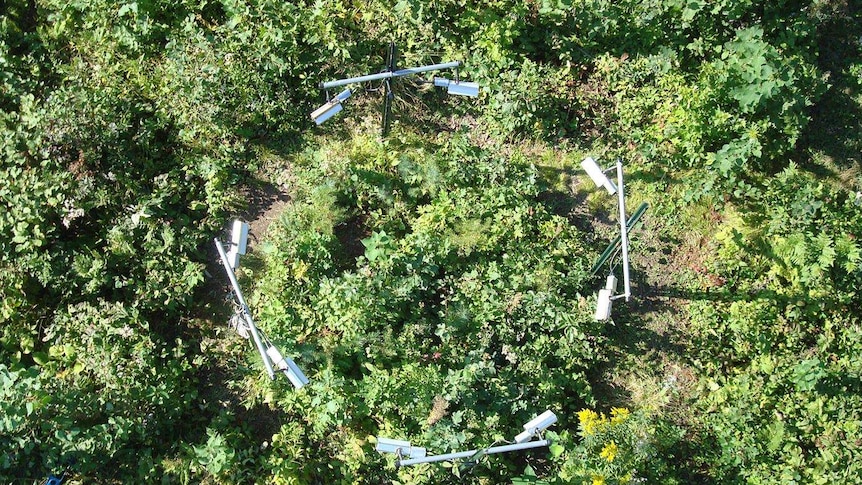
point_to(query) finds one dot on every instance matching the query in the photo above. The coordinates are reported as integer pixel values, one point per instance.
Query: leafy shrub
(612, 447)
(779, 363)
(106, 390)
(106, 208)
(617, 448)
(740, 113)
(441, 325)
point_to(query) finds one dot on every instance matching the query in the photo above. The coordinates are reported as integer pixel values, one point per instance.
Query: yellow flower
(618, 415)
(586, 415)
(598, 480)
(589, 420)
(609, 452)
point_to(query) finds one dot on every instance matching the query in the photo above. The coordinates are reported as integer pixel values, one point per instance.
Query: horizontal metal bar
(433, 67)
(389, 74)
(354, 80)
(468, 454)
(436, 458)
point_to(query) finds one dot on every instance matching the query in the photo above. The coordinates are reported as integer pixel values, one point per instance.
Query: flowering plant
(612, 448)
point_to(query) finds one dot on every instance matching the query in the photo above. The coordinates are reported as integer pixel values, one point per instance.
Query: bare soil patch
(266, 202)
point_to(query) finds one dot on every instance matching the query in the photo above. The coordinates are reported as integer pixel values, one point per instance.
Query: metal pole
(352, 80)
(624, 235)
(245, 310)
(389, 75)
(614, 246)
(468, 454)
(391, 64)
(433, 67)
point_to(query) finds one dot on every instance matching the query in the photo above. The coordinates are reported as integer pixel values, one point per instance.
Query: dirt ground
(266, 201)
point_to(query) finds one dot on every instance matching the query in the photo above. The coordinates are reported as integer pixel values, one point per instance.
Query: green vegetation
(434, 286)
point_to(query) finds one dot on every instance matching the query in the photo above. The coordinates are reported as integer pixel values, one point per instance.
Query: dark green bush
(463, 316)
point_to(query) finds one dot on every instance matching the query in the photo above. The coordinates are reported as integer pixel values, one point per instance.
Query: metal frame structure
(333, 104)
(598, 176)
(416, 455)
(473, 453)
(269, 353)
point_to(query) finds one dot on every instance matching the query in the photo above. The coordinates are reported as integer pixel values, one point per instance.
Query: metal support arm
(624, 232)
(245, 310)
(389, 75)
(468, 454)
